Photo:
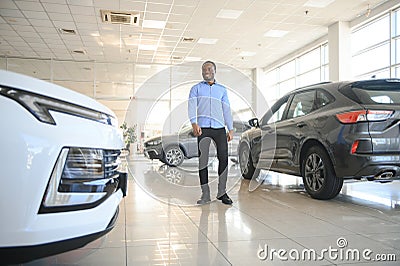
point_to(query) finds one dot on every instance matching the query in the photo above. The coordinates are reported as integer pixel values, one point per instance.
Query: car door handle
(267, 129)
(301, 124)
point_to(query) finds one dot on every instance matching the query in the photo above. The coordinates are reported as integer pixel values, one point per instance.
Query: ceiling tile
(35, 14)
(14, 13)
(61, 16)
(7, 4)
(28, 5)
(41, 22)
(56, 8)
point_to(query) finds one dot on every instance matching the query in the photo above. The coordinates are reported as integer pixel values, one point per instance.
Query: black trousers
(218, 136)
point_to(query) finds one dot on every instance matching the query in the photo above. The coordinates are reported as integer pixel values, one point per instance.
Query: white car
(61, 183)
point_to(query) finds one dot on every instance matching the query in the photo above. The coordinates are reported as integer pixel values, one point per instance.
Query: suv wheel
(173, 156)
(246, 163)
(319, 177)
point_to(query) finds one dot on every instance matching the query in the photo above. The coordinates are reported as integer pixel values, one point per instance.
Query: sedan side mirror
(254, 122)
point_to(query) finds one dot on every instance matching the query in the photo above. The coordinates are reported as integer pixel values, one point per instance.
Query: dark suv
(326, 133)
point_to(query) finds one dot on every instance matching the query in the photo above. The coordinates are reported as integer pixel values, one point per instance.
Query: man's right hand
(196, 129)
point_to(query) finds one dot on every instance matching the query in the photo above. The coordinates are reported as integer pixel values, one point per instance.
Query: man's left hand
(229, 135)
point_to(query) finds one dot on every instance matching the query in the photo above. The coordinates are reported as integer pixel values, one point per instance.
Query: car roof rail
(315, 84)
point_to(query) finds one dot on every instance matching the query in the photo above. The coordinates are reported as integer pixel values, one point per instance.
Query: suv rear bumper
(370, 166)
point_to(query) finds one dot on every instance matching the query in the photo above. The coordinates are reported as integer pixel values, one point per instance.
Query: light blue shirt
(209, 106)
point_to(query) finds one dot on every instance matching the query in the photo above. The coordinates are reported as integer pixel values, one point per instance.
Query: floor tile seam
(379, 215)
(258, 220)
(208, 239)
(125, 234)
(370, 237)
(317, 218)
(347, 207)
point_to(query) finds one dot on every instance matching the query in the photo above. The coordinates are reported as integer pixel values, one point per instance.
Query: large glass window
(371, 34)
(376, 48)
(309, 68)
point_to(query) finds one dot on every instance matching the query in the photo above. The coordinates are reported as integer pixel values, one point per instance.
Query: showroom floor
(275, 223)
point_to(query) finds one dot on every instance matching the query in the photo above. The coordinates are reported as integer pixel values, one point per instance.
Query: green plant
(129, 134)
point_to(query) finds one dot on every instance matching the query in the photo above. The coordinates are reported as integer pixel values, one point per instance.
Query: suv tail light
(363, 115)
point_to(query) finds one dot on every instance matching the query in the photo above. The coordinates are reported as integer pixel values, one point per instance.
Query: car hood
(23, 82)
(167, 138)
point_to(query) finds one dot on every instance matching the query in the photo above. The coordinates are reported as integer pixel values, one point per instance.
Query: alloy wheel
(174, 156)
(314, 172)
(244, 161)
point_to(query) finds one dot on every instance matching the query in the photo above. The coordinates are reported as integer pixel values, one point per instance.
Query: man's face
(208, 72)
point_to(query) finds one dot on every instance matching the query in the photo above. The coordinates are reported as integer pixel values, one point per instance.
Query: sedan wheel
(246, 164)
(174, 156)
(319, 178)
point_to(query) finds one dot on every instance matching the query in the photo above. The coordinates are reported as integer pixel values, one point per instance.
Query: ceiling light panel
(275, 33)
(154, 24)
(207, 41)
(147, 47)
(229, 13)
(247, 53)
(318, 3)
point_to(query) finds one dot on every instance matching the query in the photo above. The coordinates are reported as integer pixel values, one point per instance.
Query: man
(209, 112)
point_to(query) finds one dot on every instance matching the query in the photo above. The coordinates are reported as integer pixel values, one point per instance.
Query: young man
(209, 112)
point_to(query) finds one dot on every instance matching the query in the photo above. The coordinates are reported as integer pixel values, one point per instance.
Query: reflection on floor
(277, 223)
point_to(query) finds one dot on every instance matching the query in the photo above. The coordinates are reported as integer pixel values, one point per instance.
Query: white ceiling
(30, 29)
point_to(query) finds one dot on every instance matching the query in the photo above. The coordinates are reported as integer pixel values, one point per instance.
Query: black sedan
(326, 133)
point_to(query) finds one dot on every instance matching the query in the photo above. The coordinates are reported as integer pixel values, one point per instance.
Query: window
(309, 68)
(302, 104)
(322, 99)
(275, 114)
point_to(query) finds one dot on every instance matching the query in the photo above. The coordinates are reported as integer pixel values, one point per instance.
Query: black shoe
(225, 199)
(203, 200)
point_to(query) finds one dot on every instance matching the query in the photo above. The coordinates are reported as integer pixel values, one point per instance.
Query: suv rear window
(374, 92)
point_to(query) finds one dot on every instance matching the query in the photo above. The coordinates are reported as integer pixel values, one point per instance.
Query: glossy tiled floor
(276, 224)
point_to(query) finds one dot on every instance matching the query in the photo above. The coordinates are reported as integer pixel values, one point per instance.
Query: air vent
(118, 17)
(67, 31)
(79, 52)
(188, 39)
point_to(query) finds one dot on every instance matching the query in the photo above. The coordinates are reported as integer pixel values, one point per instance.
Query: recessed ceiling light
(154, 24)
(192, 58)
(275, 33)
(148, 47)
(79, 52)
(229, 13)
(318, 3)
(207, 41)
(247, 53)
(67, 31)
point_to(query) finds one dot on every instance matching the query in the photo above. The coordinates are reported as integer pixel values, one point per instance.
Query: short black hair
(209, 62)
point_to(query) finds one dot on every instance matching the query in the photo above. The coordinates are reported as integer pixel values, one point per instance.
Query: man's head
(208, 70)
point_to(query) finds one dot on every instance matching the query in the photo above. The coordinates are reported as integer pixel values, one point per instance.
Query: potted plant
(129, 135)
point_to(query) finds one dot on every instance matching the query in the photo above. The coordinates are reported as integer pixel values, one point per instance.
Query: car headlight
(39, 106)
(82, 178)
(153, 142)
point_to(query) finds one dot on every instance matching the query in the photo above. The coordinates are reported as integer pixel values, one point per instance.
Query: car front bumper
(84, 227)
(153, 153)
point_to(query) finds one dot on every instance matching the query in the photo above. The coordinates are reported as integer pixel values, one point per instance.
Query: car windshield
(374, 92)
(185, 130)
